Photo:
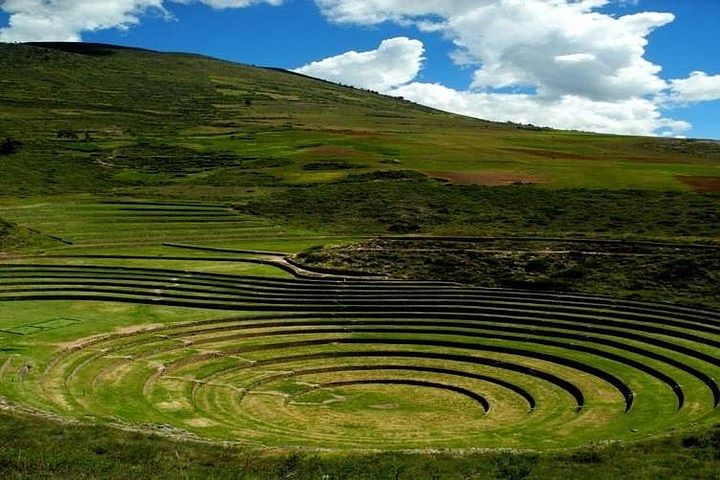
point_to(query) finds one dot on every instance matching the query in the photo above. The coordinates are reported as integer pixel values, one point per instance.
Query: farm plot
(118, 223)
(340, 362)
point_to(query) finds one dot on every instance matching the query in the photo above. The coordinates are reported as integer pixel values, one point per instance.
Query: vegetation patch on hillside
(34, 447)
(366, 205)
(675, 274)
(13, 238)
(332, 165)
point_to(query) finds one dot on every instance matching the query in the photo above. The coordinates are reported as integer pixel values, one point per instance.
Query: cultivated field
(243, 345)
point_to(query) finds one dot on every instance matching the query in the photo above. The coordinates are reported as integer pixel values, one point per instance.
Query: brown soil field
(701, 184)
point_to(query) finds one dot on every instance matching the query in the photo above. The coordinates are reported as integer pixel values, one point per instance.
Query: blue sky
(690, 43)
(501, 78)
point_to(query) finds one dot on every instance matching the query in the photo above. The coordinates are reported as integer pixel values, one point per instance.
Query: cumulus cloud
(395, 62)
(698, 87)
(634, 116)
(586, 69)
(63, 20)
(559, 47)
(66, 20)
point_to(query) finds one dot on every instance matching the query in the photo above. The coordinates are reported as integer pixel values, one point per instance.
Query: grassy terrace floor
(146, 327)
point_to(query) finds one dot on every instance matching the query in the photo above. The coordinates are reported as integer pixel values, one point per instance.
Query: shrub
(705, 446)
(514, 467)
(588, 456)
(68, 134)
(10, 146)
(331, 165)
(538, 265)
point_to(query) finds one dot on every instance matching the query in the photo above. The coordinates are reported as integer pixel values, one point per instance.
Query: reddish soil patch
(700, 184)
(549, 153)
(486, 178)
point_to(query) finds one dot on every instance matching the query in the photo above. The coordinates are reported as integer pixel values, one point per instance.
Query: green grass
(202, 369)
(44, 448)
(140, 295)
(423, 206)
(13, 237)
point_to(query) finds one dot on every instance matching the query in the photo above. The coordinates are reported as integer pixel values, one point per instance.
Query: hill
(128, 118)
(213, 270)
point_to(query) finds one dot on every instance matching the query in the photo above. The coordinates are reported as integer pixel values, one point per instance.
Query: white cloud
(66, 20)
(378, 11)
(516, 42)
(634, 116)
(220, 4)
(575, 58)
(519, 46)
(586, 68)
(698, 87)
(395, 62)
(63, 20)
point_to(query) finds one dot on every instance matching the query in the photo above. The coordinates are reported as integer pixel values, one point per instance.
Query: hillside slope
(94, 117)
(192, 249)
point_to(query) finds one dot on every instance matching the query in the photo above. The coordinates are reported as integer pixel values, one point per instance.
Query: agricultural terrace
(246, 256)
(141, 314)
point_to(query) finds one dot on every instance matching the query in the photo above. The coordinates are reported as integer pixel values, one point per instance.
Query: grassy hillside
(93, 118)
(677, 273)
(382, 204)
(155, 210)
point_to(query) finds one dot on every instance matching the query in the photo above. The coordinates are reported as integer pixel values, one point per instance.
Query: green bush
(10, 146)
(514, 467)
